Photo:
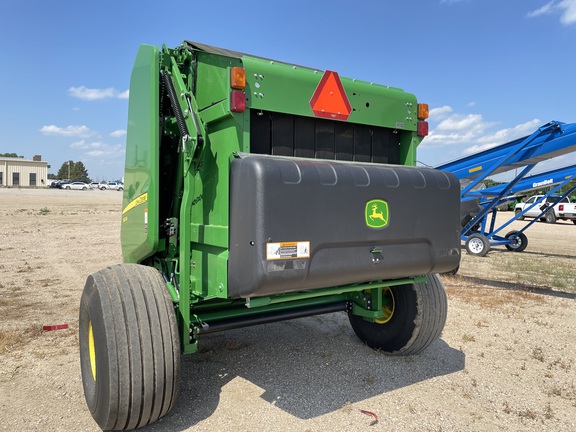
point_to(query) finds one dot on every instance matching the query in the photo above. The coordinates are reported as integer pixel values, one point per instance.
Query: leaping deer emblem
(376, 214)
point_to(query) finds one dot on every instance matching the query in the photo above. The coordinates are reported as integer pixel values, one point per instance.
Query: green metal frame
(194, 259)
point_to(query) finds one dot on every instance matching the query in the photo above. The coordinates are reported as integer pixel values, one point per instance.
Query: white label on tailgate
(287, 250)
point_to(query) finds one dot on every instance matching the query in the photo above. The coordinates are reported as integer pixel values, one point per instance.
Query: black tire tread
(143, 348)
(431, 316)
(422, 310)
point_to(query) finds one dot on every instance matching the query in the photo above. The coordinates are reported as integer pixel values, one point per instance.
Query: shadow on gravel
(517, 287)
(527, 252)
(306, 367)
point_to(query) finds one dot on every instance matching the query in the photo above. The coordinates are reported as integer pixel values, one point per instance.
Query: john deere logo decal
(376, 214)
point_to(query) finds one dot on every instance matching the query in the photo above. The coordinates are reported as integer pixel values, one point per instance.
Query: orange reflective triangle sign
(329, 99)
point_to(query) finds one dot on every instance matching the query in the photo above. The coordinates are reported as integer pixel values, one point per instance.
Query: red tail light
(422, 128)
(237, 101)
(561, 207)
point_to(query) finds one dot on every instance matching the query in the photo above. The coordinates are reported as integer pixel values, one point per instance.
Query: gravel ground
(504, 361)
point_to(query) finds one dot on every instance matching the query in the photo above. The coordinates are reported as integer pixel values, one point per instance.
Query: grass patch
(538, 354)
(12, 340)
(44, 211)
(540, 271)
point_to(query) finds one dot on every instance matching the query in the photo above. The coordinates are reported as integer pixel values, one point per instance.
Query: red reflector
(329, 99)
(422, 128)
(237, 101)
(561, 207)
(55, 327)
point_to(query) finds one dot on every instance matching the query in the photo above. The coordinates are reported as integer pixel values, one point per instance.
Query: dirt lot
(505, 360)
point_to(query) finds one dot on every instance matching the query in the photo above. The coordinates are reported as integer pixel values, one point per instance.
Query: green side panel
(213, 78)
(280, 87)
(139, 232)
(210, 207)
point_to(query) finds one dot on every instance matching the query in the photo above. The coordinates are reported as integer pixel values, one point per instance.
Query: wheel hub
(476, 245)
(91, 350)
(388, 306)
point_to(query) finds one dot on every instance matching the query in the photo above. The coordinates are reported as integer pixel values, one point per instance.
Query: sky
(491, 70)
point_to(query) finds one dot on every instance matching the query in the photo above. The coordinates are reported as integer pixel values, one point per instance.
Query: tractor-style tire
(415, 320)
(129, 347)
(477, 244)
(519, 242)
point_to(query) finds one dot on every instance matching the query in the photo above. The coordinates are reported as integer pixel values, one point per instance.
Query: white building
(19, 172)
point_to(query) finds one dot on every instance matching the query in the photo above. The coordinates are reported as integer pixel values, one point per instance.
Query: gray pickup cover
(301, 224)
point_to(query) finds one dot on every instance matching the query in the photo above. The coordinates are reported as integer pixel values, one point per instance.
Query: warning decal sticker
(287, 250)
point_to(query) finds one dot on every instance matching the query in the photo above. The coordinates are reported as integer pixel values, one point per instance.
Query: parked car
(111, 186)
(76, 185)
(94, 185)
(59, 183)
(564, 209)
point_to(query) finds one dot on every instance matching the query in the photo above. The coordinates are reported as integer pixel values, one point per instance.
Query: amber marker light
(237, 78)
(423, 111)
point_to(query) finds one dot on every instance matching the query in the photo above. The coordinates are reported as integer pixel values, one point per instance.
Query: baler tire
(417, 320)
(129, 347)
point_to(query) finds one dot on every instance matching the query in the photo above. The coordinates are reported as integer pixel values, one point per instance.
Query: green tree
(566, 188)
(74, 171)
(64, 170)
(489, 182)
(10, 155)
(79, 172)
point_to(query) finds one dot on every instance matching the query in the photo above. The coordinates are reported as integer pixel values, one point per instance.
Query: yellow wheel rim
(387, 307)
(92, 350)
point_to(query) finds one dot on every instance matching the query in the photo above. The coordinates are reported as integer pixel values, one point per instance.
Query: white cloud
(440, 113)
(68, 131)
(463, 122)
(102, 152)
(547, 9)
(96, 153)
(569, 15)
(509, 134)
(84, 145)
(470, 133)
(90, 94)
(566, 8)
(456, 129)
(118, 133)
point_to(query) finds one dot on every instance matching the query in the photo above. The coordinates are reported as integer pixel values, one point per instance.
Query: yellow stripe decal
(136, 202)
(478, 168)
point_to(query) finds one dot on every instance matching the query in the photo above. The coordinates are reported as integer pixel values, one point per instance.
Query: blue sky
(491, 70)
